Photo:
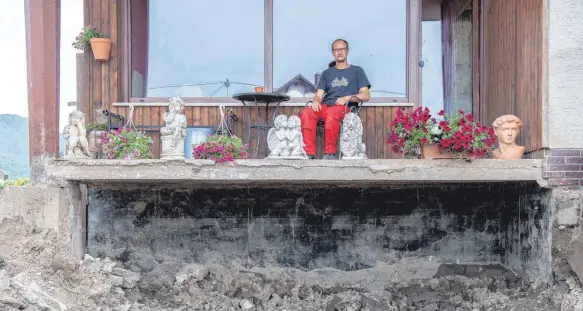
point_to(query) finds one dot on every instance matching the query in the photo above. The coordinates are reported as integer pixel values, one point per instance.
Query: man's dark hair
(345, 42)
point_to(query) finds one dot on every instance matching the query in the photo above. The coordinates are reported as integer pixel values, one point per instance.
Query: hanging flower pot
(101, 48)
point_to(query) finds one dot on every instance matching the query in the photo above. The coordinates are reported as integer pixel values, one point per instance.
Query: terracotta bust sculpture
(507, 128)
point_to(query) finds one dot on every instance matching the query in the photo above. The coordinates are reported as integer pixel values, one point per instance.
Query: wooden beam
(43, 25)
(476, 58)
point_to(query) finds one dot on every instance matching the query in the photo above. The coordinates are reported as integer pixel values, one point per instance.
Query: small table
(260, 98)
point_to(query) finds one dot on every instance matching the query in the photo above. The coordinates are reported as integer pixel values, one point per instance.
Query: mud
(37, 274)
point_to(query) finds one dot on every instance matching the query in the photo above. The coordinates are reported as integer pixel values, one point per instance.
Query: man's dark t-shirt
(342, 82)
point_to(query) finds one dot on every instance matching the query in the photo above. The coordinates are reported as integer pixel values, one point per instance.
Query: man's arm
(317, 101)
(319, 97)
(363, 94)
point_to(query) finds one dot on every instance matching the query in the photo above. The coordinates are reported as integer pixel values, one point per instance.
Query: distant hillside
(14, 145)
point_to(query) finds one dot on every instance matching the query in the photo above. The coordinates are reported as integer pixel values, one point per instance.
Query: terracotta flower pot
(101, 48)
(435, 151)
(258, 89)
(430, 151)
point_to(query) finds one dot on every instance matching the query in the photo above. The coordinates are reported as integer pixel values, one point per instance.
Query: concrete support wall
(61, 209)
(344, 228)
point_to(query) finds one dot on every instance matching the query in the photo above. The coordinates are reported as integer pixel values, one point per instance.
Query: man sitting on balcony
(337, 85)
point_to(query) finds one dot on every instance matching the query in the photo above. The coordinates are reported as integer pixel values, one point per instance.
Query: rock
(575, 260)
(30, 286)
(333, 304)
(303, 292)
(191, 271)
(116, 280)
(98, 289)
(275, 300)
(4, 280)
(284, 287)
(373, 304)
(130, 278)
(64, 263)
(567, 213)
(349, 306)
(145, 263)
(107, 265)
(246, 304)
(160, 281)
(134, 268)
(88, 257)
(12, 303)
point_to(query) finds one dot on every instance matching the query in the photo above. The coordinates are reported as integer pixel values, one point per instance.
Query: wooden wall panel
(103, 85)
(512, 65)
(529, 71)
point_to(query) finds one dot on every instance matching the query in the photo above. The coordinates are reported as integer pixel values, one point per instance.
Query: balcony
(296, 172)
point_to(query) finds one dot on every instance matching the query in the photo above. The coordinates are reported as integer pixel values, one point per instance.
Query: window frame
(413, 30)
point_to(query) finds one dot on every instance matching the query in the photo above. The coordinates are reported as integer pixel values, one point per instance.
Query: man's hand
(343, 100)
(316, 105)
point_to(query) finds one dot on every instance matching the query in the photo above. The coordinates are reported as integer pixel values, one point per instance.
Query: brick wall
(564, 167)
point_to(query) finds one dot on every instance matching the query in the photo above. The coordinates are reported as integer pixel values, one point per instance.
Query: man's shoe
(329, 157)
(311, 157)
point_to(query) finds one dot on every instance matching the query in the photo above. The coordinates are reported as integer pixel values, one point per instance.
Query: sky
(13, 56)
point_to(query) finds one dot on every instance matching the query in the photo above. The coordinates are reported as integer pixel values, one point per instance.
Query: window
(209, 50)
(203, 48)
(303, 31)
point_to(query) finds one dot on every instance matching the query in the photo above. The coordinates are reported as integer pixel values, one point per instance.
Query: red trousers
(332, 116)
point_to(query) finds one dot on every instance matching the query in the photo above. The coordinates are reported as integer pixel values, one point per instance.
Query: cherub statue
(277, 141)
(74, 133)
(351, 143)
(294, 137)
(175, 122)
(507, 128)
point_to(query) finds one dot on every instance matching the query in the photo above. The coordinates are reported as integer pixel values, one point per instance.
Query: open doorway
(447, 36)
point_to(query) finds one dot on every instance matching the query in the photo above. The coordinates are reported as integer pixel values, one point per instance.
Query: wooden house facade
(487, 58)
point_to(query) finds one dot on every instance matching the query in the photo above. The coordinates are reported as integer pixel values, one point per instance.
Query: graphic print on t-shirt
(337, 83)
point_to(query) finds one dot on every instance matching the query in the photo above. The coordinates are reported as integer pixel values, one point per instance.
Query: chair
(354, 105)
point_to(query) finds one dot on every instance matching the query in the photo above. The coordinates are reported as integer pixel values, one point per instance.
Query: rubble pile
(35, 274)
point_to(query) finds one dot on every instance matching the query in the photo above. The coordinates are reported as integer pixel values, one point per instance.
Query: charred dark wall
(345, 228)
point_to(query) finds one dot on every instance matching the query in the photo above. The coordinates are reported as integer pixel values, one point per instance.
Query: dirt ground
(37, 274)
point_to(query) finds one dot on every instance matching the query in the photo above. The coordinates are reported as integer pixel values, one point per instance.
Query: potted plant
(95, 133)
(89, 36)
(412, 129)
(127, 144)
(461, 135)
(417, 133)
(221, 148)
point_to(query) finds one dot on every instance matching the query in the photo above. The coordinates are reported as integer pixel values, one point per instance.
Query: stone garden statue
(507, 128)
(285, 140)
(295, 138)
(174, 133)
(75, 135)
(351, 144)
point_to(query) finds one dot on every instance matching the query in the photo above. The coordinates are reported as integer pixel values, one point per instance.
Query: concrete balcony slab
(295, 172)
